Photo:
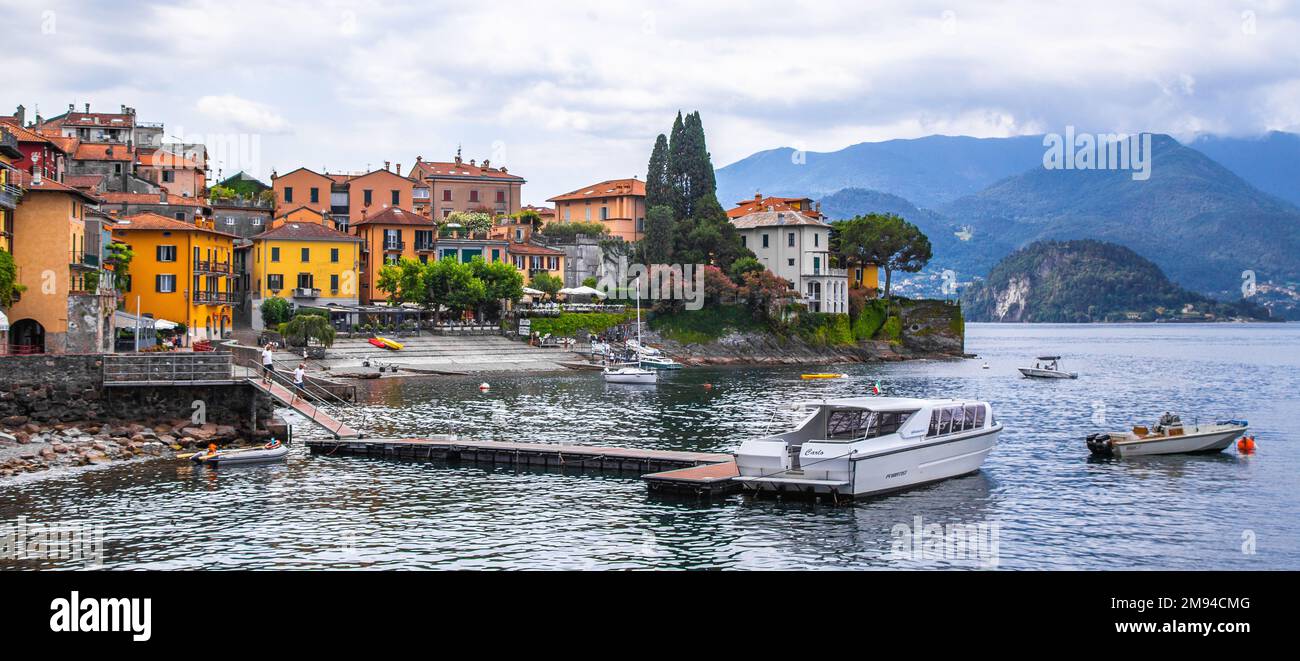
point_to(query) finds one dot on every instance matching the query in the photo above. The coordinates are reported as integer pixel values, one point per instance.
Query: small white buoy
(484, 386)
(986, 365)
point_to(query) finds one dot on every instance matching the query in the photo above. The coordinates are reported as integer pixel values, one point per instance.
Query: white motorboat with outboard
(865, 445)
(1168, 436)
(1049, 367)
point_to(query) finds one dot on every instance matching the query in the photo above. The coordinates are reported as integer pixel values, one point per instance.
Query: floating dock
(665, 471)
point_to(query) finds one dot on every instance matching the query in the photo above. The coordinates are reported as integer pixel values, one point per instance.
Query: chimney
(87, 106)
(399, 168)
(20, 114)
(758, 197)
(503, 169)
(123, 109)
(485, 164)
(388, 166)
(419, 159)
(72, 107)
(458, 158)
(471, 162)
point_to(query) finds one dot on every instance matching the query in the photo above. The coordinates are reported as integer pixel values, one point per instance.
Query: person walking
(299, 375)
(268, 362)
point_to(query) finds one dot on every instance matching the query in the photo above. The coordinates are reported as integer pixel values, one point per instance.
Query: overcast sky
(570, 93)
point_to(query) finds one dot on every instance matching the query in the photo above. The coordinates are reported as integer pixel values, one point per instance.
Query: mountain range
(1202, 219)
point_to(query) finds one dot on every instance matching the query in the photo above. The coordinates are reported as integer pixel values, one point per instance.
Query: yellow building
(865, 276)
(180, 272)
(65, 307)
(10, 191)
(306, 263)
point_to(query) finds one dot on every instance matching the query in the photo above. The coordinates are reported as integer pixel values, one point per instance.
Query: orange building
(181, 272)
(803, 205)
(303, 188)
(618, 204)
(388, 236)
(67, 306)
(373, 192)
(460, 186)
(529, 258)
(172, 172)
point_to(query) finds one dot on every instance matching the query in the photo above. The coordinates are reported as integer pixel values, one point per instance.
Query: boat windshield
(856, 424)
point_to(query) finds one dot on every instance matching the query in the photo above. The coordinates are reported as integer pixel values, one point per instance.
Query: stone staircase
(451, 353)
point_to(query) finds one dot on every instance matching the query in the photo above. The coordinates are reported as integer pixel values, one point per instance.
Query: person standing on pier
(268, 362)
(299, 375)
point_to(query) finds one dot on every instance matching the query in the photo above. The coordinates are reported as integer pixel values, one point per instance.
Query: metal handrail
(323, 397)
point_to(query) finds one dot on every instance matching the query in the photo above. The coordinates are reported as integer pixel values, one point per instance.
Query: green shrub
(568, 324)
(704, 326)
(893, 330)
(824, 329)
(869, 319)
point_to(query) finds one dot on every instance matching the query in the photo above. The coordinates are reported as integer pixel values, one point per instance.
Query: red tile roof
(152, 198)
(90, 182)
(528, 248)
(292, 231)
(777, 203)
(153, 221)
(395, 216)
(25, 134)
(611, 188)
(104, 119)
(166, 159)
(95, 151)
(774, 219)
(440, 170)
(26, 181)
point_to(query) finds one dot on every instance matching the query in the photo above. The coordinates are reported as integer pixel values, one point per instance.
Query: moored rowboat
(245, 456)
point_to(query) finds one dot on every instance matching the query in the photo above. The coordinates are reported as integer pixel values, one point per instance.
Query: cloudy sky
(569, 93)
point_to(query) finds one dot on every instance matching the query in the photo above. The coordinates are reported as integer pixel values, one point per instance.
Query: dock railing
(144, 369)
(321, 399)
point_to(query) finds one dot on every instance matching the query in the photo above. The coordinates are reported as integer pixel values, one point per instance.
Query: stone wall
(48, 389)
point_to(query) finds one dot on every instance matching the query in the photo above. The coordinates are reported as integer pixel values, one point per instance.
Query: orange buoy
(708, 386)
(1246, 445)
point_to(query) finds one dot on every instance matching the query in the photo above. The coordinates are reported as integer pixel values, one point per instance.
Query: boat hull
(1203, 441)
(1035, 373)
(654, 365)
(881, 472)
(242, 457)
(640, 379)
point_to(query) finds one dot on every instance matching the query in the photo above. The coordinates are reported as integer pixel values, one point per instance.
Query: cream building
(797, 248)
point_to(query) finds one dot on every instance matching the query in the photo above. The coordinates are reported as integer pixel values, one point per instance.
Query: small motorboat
(659, 362)
(822, 376)
(1048, 368)
(274, 451)
(1169, 436)
(634, 375)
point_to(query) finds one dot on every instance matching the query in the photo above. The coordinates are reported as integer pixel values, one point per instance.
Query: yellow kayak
(391, 344)
(822, 376)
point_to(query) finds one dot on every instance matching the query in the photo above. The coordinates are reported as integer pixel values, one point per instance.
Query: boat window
(934, 423)
(979, 415)
(969, 419)
(945, 421)
(858, 424)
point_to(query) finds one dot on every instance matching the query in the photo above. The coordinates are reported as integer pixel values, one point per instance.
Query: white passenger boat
(1169, 436)
(660, 362)
(1048, 368)
(866, 445)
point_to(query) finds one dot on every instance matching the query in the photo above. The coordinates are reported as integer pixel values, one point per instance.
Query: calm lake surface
(1053, 506)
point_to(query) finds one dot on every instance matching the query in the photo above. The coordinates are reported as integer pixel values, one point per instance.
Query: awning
(126, 320)
(163, 324)
(532, 292)
(4, 322)
(582, 291)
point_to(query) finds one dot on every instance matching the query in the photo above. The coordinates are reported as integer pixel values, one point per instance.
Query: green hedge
(704, 326)
(870, 320)
(824, 329)
(568, 324)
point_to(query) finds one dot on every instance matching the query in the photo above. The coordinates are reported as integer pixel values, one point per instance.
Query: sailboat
(629, 374)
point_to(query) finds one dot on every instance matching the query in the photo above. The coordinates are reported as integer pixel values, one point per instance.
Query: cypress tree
(658, 241)
(677, 160)
(658, 189)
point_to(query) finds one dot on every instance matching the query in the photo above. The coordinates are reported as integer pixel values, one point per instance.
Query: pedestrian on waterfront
(268, 360)
(299, 374)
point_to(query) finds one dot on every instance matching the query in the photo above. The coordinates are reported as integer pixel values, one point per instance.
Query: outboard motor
(1099, 444)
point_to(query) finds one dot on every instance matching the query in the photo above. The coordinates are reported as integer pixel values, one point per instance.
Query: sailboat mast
(637, 283)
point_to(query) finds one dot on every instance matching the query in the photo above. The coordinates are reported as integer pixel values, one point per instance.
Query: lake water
(1049, 505)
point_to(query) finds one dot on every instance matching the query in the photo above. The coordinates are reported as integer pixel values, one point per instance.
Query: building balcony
(394, 246)
(461, 233)
(206, 266)
(306, 292)
(9, 144)
(825, 273)
(213, 297)
(425, 247)
(83, 260)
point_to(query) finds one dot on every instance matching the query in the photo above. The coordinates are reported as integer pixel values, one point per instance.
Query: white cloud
(241, 113)
(578, 90)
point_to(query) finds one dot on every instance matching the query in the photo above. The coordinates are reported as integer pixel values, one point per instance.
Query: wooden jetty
(666, 471)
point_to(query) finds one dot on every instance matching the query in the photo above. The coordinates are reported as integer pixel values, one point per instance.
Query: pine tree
(658, 189)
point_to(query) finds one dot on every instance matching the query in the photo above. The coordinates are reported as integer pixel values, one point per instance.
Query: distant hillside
(1081, 281)
(928, 171)
(1270, 162)
(1198, 221)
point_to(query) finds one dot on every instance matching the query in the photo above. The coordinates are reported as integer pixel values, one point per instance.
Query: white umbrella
(163, 324)
(582, 291)
(4, 322)
(533, 292)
